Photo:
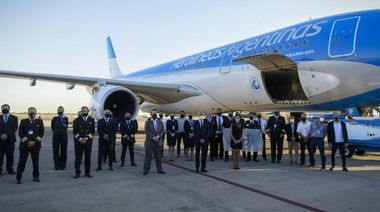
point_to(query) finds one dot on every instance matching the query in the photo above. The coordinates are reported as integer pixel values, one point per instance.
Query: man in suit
(293, 139)
(252, 123)
(59, 126)
(8, 128)
(154, 130)
(107, 130)
(105, 156)
(275, 131)
(226, 133)
(83, 129)
(201, 131)
(31, 131)
(337, 137)
(128, 131)
(218, 121)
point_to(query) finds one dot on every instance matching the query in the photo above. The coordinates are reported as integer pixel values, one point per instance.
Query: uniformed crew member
(172, 129)
(31, 131)
(8, 128)
(211, 135)
(189, 138)
(252, 123)
(201, 131)
(128, 131)
(83, 129)
(59, 126)
(106, 130)
(218, 121)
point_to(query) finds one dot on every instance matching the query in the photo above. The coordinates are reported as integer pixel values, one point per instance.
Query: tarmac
(257, 186)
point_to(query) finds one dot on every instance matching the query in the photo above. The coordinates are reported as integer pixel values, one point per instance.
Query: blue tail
(114, 69)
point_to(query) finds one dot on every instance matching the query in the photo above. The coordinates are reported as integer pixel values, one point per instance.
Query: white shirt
(338, 132)
(164, 122)
(263, 124)
(304, 128)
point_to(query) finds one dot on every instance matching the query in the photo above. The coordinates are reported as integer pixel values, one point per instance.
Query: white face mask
(321, 119)
(201, 117)
(237, 119)
(291, 120)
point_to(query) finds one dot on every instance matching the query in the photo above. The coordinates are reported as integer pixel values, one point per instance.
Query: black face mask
(154, 116)
(161, 116)
(259, 116)
(182, 116)
(303, 119)
(84, 114)
(276, 113)
(171, 117)
(128, 118)
(219, 114)
(190, 117)
(107, 115)
(230, 115)
(336, 118)
(5, 111)
(31, 115)
(251, 118)
(60, 113)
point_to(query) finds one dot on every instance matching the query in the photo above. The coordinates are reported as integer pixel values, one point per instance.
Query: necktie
(251, 121)
(5, 119)
(259, 124)
(219, 123)
(201, 124)
(155, 125)
(84, 119)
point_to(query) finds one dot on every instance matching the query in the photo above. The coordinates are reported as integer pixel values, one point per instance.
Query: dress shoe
(110, 168)
(265, 159)
(331, 168)
(345, 169)
(76, 176)
(212, 159)
(12, 172)
(98, 169)
(18, 182)
(291, 162)
(122, 164)
(248, 160)
(255, 160)
(36, 179)
(311, 166)
(133, 164)
(145, 173)
(278, 161)
(115, 161)
(204, 170)
(88, 175)
(323, 169)
(161, 172)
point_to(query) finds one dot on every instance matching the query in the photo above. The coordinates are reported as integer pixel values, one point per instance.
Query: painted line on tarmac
(307, 207)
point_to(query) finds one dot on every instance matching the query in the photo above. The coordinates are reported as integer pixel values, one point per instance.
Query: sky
(69, 37)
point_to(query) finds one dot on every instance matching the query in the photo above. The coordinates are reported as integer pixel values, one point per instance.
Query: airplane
(324, 64)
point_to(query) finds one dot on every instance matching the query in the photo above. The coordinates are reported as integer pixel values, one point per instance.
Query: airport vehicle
(324, 64)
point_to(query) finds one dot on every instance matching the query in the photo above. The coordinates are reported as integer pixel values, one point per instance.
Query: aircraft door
(225, 64)
(343, 37)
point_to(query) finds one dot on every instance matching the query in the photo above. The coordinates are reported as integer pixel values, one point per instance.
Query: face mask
(31, 115)
(230, 115)
(303, 119)
(171, 117)
(336, 118)
(161, 116)
(182, 116)
(321, 119)
(237, 120)
(291, 120)
(84, 114)
(5, 111)
(276, 113)
(201, 117)
(128, 118)
(107, 115)
(60, 113)
(259, 116)
(219, 114)
(209, 116)
(190, 117)
(111, 116)
(251, 118)
(154, 116)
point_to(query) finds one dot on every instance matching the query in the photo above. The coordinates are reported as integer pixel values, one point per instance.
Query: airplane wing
(161, 93)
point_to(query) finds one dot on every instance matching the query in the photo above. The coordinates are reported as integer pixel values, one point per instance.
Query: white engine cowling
(117, 99)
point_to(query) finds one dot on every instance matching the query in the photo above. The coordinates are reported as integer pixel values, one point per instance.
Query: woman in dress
(171, 129)
(236, 132)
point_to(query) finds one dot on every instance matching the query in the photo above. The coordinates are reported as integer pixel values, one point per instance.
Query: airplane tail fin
(352, 112)
(114, 69)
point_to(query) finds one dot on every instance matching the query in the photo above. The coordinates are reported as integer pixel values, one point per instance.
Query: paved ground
(258, 186)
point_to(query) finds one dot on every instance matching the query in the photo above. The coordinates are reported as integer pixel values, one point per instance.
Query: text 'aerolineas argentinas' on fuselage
(237, 49)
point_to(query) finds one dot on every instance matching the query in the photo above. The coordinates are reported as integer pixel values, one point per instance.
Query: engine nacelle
(115, 98)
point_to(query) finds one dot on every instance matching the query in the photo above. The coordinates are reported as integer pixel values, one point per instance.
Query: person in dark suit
(211, 135)
(236, 132)
(293, 139)
(128, 131)
(8, 128)
(83, 129)
(107, 130)
(252, 123)
(201, 131)
(337, 137)
(275, 131)
(31, 131)
(114, 137)
(59, 126)
(154, 130)
(226, 129)
(218, 121)
(172, 130)
(189, 138)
